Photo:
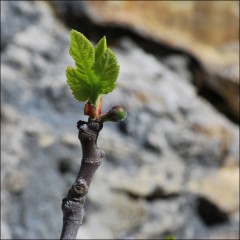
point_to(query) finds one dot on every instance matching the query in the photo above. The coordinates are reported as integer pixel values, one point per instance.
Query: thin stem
(73, 204)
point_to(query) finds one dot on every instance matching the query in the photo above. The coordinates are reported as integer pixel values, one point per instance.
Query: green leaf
(100, 48)
(80, 87)
(96, 69)
(83, 52)
(106, 69)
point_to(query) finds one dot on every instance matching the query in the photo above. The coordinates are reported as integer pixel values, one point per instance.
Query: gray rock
(154, 181)
(165, 216)
(179, 65)
(171, 138)
(15, 17)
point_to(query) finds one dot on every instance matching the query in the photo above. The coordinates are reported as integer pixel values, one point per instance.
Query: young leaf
(82, 51)
(100, 48)
(106, 69)
(80, 87)
(81, 78)
(96, 69)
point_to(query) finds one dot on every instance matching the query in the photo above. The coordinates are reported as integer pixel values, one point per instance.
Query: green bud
(117, 113)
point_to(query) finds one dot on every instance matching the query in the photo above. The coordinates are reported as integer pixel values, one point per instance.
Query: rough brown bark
(73, 204)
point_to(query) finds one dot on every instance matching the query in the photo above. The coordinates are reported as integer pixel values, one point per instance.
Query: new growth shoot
(95, 73)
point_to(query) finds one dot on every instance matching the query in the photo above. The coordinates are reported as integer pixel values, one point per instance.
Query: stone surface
(15, 17)
(172, 143)
(208, 31)
(225, 183)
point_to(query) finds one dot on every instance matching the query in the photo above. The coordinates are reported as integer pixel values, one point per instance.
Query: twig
(72, 205)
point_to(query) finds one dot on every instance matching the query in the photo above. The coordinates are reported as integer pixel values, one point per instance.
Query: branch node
(80, 186)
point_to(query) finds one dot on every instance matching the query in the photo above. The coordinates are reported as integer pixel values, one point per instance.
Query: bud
(90, 110)
(117, 113)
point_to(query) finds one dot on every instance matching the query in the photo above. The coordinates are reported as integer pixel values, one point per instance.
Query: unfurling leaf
(106, 69)
(95, 72)
(100, 48)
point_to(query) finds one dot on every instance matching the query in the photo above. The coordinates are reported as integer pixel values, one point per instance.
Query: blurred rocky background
(171, 168)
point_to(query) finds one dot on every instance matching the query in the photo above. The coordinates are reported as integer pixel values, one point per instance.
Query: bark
(73, 204)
